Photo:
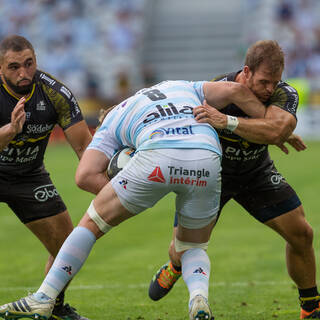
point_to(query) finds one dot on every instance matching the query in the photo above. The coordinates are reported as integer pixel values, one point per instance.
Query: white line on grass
(145, 285)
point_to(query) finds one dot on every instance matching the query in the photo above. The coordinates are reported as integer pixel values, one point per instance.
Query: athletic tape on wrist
(232, 123)
(94, 215)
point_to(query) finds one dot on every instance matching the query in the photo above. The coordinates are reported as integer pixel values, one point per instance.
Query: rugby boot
(163, 281)
(199, 309)
(65, 312)
(313, 314)
(27, 307)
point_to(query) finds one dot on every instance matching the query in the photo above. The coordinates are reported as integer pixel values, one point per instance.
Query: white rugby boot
(199, 309)
(27, 307)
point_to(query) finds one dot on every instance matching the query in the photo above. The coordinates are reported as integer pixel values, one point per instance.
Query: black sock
(60, 299)
(313, 295)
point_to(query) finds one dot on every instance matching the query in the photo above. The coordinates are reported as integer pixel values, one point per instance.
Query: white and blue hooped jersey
(159, 117)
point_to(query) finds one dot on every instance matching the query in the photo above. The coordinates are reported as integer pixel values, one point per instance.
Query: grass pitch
(248, 279)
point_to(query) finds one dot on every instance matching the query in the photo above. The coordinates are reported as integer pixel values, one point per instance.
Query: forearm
(91, 172)
(223, 93)
(242, 97)
(262, 131)
(93, 184)
(78, 137)
(6, 135)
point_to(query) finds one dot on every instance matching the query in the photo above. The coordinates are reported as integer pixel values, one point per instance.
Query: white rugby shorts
(192, 174)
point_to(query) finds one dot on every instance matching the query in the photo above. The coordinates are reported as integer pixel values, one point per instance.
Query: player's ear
(247, 72)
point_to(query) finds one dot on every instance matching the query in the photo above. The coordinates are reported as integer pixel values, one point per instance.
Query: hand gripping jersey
(160, 117)
(241, 157)
(49, 103)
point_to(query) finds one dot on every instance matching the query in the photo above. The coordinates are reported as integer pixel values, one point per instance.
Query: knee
(303, 238)
(308, 235)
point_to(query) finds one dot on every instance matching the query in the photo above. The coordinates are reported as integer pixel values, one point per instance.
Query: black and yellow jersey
(49, 103)
(240, 156)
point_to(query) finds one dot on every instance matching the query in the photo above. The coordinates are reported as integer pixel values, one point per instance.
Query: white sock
(196, 272)
(73, 253)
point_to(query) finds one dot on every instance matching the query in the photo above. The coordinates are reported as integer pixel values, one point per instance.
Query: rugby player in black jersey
(32, 102)
(249, 175)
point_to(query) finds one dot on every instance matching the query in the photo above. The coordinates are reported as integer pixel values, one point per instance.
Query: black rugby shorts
(31, 196)
(265, 194)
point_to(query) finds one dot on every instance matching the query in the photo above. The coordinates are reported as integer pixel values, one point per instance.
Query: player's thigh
(267, 195)
(142, 182)
(197, 204)
(109, 206)
(293, 227)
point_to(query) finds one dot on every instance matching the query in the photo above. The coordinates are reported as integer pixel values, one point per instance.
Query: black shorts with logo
(31, 196)
(265, 194)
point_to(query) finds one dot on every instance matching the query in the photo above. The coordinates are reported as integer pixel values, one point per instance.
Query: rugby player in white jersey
(174, 153)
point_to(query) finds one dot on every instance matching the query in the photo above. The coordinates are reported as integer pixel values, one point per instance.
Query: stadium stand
(106, 49)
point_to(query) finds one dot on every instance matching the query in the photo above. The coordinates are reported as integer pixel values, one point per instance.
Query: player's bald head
(14, 43)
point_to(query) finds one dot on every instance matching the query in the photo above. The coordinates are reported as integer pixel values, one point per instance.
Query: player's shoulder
(284, 91)
(231, 76)
(285, 87)
(52, 85)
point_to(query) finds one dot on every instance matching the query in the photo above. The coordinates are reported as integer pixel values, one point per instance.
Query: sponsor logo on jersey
(158, 133)
(76, 106)
(168, 111)
(240, 154)
(200, 270)
(46, 192)
(41, 106)
(19, 155)
(46, 78)
(39, 128)
(157, 176)
(188, 176)
(66, 92)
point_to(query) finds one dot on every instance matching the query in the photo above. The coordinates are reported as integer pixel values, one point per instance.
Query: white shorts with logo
(193, 174)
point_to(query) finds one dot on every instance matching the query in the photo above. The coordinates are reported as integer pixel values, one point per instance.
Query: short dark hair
(15, 43)
(265, 51)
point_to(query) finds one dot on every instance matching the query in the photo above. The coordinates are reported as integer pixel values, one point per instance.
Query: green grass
(248, 279)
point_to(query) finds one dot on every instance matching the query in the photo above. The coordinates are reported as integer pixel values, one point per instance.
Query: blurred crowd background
(104, 50)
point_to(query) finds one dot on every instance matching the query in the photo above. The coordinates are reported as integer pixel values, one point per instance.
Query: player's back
(161, 117)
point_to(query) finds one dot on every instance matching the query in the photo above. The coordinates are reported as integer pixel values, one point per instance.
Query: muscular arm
(78, 137)
(220, 94)
(10, 130)
(91, 172)
(275, 128)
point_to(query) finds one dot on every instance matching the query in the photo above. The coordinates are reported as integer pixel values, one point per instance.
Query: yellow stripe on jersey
(228, 139)
(11, 94)
(32, 140)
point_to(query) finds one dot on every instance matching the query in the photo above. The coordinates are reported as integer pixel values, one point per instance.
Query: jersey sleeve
(63, 100)
(286, 98)
(198, 87)
(105, 139)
